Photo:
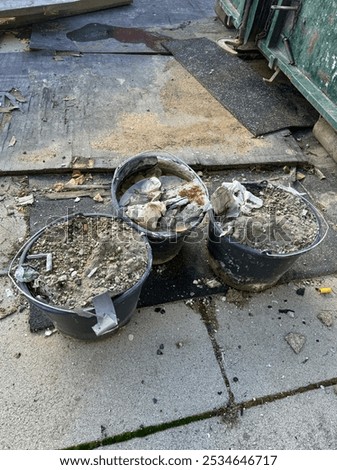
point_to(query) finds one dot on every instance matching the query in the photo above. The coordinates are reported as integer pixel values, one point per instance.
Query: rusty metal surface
(300, 38)
(302, 42)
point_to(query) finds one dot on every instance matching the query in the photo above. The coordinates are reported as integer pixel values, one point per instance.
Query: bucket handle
(106, 314)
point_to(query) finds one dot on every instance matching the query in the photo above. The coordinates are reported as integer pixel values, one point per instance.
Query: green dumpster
(302, 42)
(298, 37)
(248, 16)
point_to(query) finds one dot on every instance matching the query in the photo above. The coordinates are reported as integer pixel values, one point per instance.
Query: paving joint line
(238, 408)
(280, 395)
(206, 308)
(146, 431)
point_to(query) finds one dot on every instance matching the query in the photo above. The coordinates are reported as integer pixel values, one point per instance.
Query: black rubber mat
(261, 107)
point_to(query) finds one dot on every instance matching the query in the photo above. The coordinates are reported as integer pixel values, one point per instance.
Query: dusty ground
(189, 122)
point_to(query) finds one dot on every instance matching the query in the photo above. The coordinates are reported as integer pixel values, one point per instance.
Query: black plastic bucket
(246, 268)
(165, 245)
(80, 323)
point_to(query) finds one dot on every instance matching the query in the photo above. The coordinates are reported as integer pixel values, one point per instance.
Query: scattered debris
(18, 95)
(319, 174)
(287, 311)
(25, 200)
(160, 310)
(281, 223)
(296, 341)
(50, 332)
(300, 291)
(58, 187)
(12, 142)
(7, 102)
(9, 293)
(237, 297)
(324, 290)
(5, 312)
(61, 193)
(26, 274)
(98, 198)
(47, 256)
(300, 176)
(77, 179)
(212, 283)
(326, 318)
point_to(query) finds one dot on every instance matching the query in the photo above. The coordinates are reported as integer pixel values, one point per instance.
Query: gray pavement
(304, 421)
(59, 392)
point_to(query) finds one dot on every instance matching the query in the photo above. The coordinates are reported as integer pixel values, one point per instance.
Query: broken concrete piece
(212, 283)
(75, 181)
(326, 318)
(319, 174)
(222, 199)
(145, 190)
(98, 198)
(26, 274)
(25, 200)
(237, 201)
(188, 217)
(149, 185)
(296, 341)
(12, 142)
(300, 176)
(147, 215)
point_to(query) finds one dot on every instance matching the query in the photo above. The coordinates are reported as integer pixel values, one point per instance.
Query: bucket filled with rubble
(257, 231)
(162, 197)
(84, 272)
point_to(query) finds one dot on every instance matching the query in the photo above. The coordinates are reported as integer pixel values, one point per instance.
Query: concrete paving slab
(59, 392)
(251, 334)
(306, 421)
